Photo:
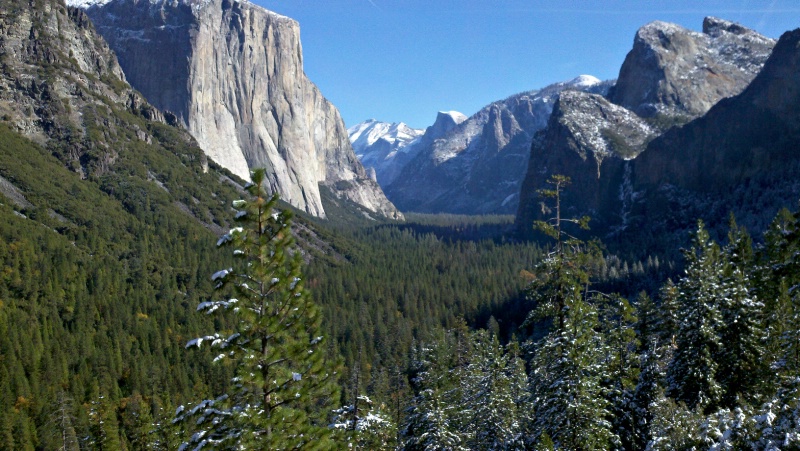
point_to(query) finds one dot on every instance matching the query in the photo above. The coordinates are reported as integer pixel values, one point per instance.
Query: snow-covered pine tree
(494, 381)
(780, 288)
(435, 418)
(647, 392)
(283, 385)
(674, 426)
(666, 323)
(567, 396)
(362, 425)
(617, 321)
(741, 362)
(692, 374)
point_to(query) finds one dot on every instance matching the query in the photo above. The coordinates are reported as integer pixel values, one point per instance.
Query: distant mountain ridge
(474, 165)
(232, 73)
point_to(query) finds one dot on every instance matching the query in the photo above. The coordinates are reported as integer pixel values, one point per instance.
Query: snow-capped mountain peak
(86, 3)
(584, 81)
(455, 115)
(380, 146)
(367, 133)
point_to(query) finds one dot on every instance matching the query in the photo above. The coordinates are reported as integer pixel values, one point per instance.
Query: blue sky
(404, 60)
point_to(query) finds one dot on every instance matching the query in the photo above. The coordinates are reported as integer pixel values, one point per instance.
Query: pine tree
(674, 427)
(138, 422)
(430, 425)
(63, 421)
(362, 425)
(283, 382)
(618, 322)
(435, 419)
(494, 382)
(692, 374)
(568, 398)
(569, 402)
(646, 394)
(741, 366)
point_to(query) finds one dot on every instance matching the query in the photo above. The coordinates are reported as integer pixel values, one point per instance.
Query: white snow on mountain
(86, 3)
(584, 81)
(367, 133)
(384, 147)
(194, 3)
(457, 117)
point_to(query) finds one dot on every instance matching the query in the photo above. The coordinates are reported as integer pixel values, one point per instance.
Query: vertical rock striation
(232, 73)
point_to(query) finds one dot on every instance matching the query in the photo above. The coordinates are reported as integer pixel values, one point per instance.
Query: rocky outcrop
(61, 86)
(384, 148)
(477, 167)
(672, 71)
(741, 157)
(589, 139)
(671, 76)
(232, 73)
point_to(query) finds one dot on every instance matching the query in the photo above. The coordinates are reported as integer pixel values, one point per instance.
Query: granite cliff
(670, 77)
(741, 157)
(476, 166)
(673, 71)
(232, 74)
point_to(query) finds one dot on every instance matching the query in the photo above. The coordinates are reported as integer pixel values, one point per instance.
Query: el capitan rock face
(232, 73)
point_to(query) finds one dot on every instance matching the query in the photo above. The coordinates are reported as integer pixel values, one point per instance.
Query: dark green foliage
(95, 285)
(693, 371)
(569, 401)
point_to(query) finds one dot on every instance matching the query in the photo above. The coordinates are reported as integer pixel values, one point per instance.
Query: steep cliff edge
(741, 157)
(589, 139)
(232, 73)
(62, 87)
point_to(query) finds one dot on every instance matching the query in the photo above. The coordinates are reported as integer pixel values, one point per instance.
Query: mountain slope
(232, 73)
(383, 147)
(478, 166)
(108, 219)
(741, 157)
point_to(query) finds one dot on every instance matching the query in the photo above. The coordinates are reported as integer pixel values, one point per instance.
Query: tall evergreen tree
(568, 399)
(692, 374)
(434, 418)
(494, 384)
(617, 325)
(283, 382)
(741, 366)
